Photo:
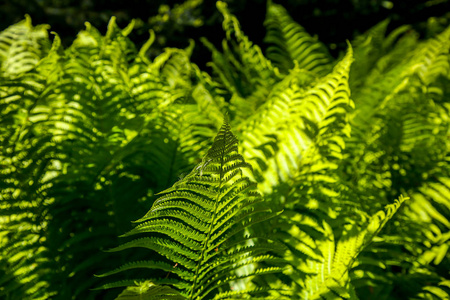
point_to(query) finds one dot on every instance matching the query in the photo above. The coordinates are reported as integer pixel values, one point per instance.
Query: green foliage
(148, 290)
(290, 43)
(201, 219)
(298, 203)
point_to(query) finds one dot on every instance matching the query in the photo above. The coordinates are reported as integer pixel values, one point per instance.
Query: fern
(22, 46)
(397, 111)
(290, 44)
(284, 132)
(148, 290)
(242, 70)
(347, 249)
(96, 133)
(199, 219)
(75, 142)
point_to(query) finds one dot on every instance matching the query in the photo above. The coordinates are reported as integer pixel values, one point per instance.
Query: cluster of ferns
(283, 174)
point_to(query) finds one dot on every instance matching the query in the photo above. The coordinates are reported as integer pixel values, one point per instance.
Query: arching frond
(290, 45)
(241, 69)
(328, 276)
(22, 46)
(196, 224)
(295, 120)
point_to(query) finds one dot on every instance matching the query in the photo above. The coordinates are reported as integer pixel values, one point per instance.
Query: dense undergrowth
(283, 175)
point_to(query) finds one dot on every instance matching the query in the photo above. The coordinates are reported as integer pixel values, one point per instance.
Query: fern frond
(330, 275)
(296, 120)
(251, 54)
(199, 216)
(430, 206)
(148, 290)
(241, 69)
(290, 45)
(21, 47)
(73, 136)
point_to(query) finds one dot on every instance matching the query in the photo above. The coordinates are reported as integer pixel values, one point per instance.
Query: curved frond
(199, 216)
(290, 45)
(296, 120)
(242, 70)
(22, 46)
(329, 275)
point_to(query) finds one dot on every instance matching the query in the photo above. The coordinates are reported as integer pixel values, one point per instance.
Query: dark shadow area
(332, 21)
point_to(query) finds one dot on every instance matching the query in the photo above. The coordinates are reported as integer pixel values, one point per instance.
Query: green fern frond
(148, 290)
(198, 219)
(60, 118)
(251, 54)
(394, 112)
(368, 49)
(295, 121)
(430, 206)
(432, 59)
(441, 291)
(329, 276)
(290, 45)
(241, 69)
(21, 47)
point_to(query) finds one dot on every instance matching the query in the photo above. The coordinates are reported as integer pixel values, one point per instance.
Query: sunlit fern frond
(425, 253)
(427, 59)
(208, 99)
(328, 275)
(430, 206)
(21, 47)
(24, 180)
(241, 69)
(148, 87)
(250, 55)
(175, 66)
(117, 46)
(431, 58)
(148, 290)
(296, 120)
(368, 49)
(290, 44)
(198, 225)
(24, 177)
(376, 52)
(439, 290)
(166, 145)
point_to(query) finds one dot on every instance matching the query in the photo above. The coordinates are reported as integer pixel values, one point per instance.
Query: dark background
(334, 21)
